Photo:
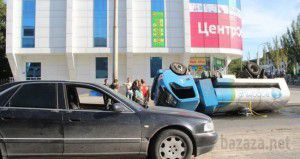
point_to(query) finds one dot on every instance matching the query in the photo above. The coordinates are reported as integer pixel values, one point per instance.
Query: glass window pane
(89, 96)
(155, 65)
(100, 42)
(28, 32)
(101, 67)
(100, 23)
(28, 42)
(219, 63)
(33, 70)
(28, 5)
(28, 23)
(35, 96)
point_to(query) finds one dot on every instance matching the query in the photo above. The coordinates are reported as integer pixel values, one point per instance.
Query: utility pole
(116, 40)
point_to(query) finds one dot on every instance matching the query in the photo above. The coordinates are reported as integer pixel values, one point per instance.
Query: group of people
(276, 74)
(137, 90)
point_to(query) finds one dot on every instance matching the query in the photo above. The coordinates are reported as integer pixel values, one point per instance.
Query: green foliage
(235, 66)
(287, 47)
(264, 58)
(5, 71)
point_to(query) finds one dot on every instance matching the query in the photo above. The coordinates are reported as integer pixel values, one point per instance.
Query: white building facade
(73, 39)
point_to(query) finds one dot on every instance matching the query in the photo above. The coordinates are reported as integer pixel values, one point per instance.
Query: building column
(12, 39)
(70, 57)
(14, 63)
(185, 59)
(227, 62)
(211, 58)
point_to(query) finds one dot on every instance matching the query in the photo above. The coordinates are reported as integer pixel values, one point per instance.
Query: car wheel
(178, 68)
(171, 144)
(253, 69)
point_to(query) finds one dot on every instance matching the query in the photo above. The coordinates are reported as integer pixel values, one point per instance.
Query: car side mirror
(118, 107)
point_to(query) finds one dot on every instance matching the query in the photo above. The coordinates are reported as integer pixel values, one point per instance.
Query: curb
(292, 104)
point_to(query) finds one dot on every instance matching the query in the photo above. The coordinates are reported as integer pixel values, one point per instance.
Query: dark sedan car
(70, 119)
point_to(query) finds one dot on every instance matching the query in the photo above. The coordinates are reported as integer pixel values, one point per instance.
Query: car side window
(5, 95)
(86, 98)
(35, 95)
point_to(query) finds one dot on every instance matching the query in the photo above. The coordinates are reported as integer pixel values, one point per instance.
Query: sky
(264, 20)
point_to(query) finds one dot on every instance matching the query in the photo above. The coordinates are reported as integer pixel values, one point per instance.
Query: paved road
(274, 137)
(295, 95)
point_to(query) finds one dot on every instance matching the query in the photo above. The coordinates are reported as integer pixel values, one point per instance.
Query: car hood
(178, 112)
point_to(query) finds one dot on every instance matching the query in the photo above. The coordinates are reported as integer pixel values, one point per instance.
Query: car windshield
(122, 97)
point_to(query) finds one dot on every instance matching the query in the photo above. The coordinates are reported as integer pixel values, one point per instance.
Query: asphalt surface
(274, 136)
(295, 95)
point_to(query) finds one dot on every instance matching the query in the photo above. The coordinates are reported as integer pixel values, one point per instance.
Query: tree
(291, 45)
(5, 71)
(289, 58)
(264, 58)
(235, 66)
(275, 53)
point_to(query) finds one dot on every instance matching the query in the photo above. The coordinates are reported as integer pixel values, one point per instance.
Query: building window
(219, 63)
(155, 65)
(158, 23)
(28, 23)
(199, 64)
(100, 23)
(101, 67)
(33, 71)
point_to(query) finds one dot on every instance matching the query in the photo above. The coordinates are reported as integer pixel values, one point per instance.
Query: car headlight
(209, 127)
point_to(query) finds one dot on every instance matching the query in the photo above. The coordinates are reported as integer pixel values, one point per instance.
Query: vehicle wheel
(178, 68)
(253, 69)
(171, 144)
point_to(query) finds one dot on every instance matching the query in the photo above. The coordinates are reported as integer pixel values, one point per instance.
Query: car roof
(5, 86)
(49, 81)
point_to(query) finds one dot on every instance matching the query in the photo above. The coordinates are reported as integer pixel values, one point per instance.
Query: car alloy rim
(173, 147)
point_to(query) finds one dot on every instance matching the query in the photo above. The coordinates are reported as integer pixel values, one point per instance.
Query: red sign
(213, 30)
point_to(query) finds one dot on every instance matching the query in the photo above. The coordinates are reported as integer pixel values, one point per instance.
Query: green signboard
(158, 29)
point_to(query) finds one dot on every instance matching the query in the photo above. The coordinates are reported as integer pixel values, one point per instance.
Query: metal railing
(6, 80)
(33, 78)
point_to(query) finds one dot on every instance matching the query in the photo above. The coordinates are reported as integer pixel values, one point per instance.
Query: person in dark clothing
(115, 85)
(105, 82)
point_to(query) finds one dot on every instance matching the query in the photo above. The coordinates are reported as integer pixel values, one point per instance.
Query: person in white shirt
(128, 85)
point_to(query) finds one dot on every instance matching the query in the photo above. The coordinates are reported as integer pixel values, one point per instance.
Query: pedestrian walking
(128, 86)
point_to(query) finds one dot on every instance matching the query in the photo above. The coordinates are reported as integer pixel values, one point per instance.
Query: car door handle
(7, 118)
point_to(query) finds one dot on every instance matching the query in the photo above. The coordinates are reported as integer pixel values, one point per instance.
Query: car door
(96, 131)
(31, 123)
